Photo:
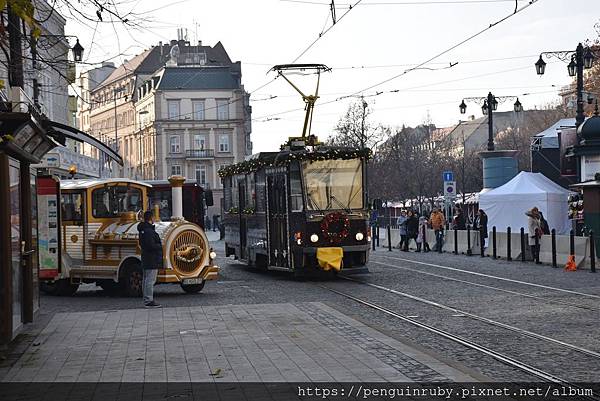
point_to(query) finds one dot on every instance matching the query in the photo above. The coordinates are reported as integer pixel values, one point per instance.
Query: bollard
(572, 243)
(469, 252)
(522, 244)
(508, 239)
(373, 238)
(592, 253)
(377, 228)
(424, 242)
(455, 241)
(389, 234)
(553, 234)
(537, 247)
(494, 254)
(481, 243)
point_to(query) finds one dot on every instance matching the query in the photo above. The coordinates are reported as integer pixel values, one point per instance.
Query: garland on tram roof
(284, 159)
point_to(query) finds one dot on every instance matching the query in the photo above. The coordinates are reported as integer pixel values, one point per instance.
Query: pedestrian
(215, 223)
(437, 223)
(412, 229)
(544, 224)
(401, 223)
(535, 232)
(152, 257)
(459, 222)
(480, 224)
(421, 235)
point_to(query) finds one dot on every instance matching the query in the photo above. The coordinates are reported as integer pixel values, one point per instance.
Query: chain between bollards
(508, 250)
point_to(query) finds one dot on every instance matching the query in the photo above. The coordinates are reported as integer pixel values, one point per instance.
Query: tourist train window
(111, 201)
(71, 204)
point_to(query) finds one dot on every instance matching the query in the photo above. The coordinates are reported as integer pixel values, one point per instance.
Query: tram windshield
(333, 184)
(111, 201)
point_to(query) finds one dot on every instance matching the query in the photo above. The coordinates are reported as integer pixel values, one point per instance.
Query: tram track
(522, 294)
(499, 356)
(527, 283)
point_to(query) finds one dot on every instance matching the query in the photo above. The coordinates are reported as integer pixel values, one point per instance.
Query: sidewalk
(308, 342)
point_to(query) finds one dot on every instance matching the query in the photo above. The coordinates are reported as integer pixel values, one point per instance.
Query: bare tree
(355, 129)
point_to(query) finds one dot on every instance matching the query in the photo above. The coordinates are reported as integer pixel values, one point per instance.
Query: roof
(526, 183)
(89, 183)
(125, 69)
(550, 135)
(198, 78)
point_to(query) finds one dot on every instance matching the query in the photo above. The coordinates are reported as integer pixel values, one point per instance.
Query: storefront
(25, 137)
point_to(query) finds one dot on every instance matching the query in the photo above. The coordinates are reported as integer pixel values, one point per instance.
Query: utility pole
(363, 143)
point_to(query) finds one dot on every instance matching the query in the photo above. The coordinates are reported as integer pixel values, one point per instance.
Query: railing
(200, 153)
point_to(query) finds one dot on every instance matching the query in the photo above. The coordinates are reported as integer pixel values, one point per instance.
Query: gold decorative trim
(176, 180)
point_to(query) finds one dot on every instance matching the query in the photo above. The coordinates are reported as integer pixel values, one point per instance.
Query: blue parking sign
(448, 176)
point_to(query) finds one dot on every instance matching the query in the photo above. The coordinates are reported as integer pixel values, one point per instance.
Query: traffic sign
(448, 176)
(450, 189)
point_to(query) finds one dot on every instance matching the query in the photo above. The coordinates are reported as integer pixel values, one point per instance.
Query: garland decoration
(286, 157)
(335, 218)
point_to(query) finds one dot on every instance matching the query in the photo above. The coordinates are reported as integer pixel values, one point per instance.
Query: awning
(58, 130)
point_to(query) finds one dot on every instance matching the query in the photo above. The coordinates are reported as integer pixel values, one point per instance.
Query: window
(222, 109)
(223, 143)
(71, 204)
(173, 106)
(112, 201)
(297, 203)
(199, 142)
(198, 109)
(201, 174)
(174, 144)
(175, 169)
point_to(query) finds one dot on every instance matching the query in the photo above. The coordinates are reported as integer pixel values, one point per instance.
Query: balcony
(199, 154)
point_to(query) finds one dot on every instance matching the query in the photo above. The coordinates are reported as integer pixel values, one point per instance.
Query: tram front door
(278, 221)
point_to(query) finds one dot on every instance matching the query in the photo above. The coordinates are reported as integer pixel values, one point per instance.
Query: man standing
(152, 257)
(401, 223)
(437, 223)
(215, 222)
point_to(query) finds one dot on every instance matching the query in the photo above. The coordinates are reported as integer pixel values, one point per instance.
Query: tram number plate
(192, 281)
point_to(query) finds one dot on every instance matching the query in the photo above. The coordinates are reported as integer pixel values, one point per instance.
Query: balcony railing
(200, 153)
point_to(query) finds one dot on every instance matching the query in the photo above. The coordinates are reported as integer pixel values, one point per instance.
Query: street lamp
(490, 104)
(580, 58)
(77, 51)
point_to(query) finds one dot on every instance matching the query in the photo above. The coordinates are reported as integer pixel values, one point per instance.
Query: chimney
(177, 196)
(472, 117)
(199, 43)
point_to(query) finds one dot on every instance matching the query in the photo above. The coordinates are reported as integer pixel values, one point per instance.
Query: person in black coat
(412, 228)
(152, 257)
(480, 224)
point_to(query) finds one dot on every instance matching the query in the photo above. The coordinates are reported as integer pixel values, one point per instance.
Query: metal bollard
(455, 241)
(508, 239)
(553, 234)
(522, 244)
(373, 238)
(377, 228)
(537, 247)
(572, 243)
(494, 254)
(592, 253)
(389, 234)
(469, 251)
(424, 242)
(481, 243)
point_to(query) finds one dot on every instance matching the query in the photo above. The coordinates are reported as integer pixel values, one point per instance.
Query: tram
(87, 232)
(301, 210)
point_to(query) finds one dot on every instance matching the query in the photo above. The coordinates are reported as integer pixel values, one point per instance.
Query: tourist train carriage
(88, 233)
(298, 210)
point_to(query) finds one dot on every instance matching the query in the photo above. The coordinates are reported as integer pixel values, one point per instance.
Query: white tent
(506, 205)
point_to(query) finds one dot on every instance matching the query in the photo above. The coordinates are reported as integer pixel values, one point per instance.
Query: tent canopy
(506, 205)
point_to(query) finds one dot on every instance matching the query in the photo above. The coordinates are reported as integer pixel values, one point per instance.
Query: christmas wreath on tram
(335, 227)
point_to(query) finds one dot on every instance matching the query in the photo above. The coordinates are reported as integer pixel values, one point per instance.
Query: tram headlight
(359, 236)
(314, 238)
(212, 255)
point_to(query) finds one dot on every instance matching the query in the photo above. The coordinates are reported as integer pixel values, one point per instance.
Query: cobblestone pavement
(241, 285)
(235, 343)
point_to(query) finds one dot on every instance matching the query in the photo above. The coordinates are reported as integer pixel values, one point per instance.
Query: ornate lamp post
(581, 58)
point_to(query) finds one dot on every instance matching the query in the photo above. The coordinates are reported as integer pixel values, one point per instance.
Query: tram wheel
(193, 288)
(61, 288)
(133, 280)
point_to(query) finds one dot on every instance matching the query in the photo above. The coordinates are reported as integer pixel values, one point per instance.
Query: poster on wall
(568, 165)
(590, 165)
(48, 226)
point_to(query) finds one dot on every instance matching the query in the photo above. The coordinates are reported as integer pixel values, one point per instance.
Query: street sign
(449, 189)
(448, 176)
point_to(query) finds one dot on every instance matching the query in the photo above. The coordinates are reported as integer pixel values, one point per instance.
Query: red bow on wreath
(335, 218)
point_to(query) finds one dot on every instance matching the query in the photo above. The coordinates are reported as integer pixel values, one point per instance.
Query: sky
(375, 41)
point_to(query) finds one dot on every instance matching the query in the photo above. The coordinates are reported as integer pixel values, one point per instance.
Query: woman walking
(421, 235)
(535, 233)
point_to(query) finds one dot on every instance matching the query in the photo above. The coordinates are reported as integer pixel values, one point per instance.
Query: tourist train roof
(89, 183)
